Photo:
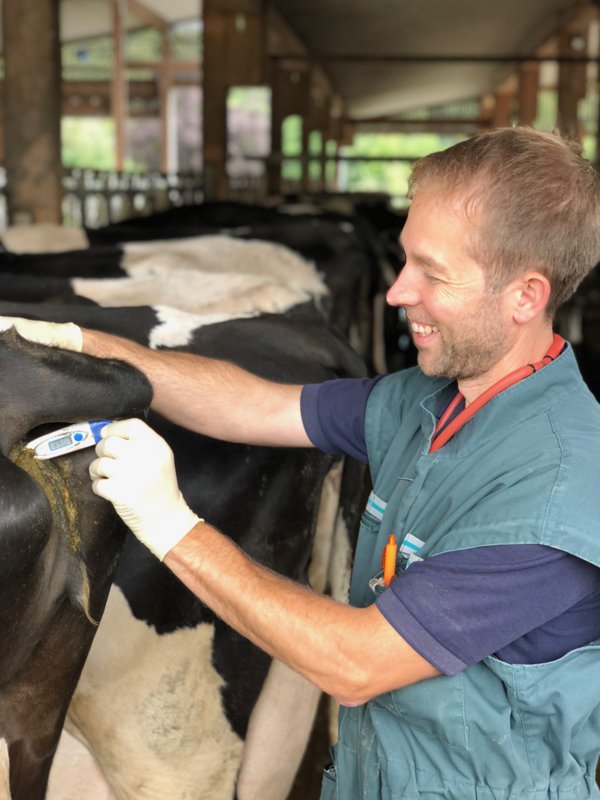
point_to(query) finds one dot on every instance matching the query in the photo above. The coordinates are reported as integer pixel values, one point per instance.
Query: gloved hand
(135, 470)
(54, 334)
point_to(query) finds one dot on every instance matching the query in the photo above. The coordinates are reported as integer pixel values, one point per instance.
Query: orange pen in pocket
(388, 560)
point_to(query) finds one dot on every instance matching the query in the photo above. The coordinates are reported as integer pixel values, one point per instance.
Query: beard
(470, 350)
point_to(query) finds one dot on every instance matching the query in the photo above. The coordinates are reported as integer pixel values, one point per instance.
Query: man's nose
(404, 291)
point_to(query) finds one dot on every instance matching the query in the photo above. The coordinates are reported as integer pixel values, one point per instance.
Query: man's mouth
(423, 330)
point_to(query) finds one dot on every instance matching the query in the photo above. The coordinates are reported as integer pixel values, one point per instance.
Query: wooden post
(323, 165)
(529, 83)
(164, 91)
(2, 151)
(486, 112)
(290, 86)
(119, 84)
(234, 54)
(214, 108)
(502, 113)
(32, 107)
(305, 156)
(277, 117)
(597, 165)
(153, 20)
(571, 81)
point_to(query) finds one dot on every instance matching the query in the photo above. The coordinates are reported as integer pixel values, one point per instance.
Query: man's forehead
(438, 233)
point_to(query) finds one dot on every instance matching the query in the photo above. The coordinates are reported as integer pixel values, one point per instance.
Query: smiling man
(468, 665)
(456, 321)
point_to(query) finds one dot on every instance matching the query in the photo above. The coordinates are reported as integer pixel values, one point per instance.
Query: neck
(524, 350)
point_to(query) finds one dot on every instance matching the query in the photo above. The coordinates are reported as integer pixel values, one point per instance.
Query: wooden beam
(406, 123)
(234, 55)
(214, 104)
(503, 108)
(169, 65)
(237, 6)
(144, 89)
(119, 85)
(32, 72)
(572, 80)
(165, 88)
(529, 84)
(147, 16)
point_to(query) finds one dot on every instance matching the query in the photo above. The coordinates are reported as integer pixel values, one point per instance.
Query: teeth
(423, 330)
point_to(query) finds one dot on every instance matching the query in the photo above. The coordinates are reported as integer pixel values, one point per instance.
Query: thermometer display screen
(58, 444)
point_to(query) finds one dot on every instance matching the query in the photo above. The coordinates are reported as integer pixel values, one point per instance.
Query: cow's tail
(80, 592)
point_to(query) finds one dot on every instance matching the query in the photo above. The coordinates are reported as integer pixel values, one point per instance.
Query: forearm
(351, 653)
(345, 651)
(209, 396)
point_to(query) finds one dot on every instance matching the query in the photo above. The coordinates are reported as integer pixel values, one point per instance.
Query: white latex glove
(135, 471)
(54, 334)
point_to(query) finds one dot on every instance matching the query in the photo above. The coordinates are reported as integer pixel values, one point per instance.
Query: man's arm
(353, 654)
(205, 395)
(213, 397)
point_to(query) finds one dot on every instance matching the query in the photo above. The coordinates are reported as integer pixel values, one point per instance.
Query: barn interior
(331, 79)
(343, 69)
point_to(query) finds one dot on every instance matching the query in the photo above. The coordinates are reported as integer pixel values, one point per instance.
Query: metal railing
(93, 198)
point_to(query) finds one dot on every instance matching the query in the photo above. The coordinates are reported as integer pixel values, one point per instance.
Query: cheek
(446, 303)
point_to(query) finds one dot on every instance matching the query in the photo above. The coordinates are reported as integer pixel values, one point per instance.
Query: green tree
(88, 142)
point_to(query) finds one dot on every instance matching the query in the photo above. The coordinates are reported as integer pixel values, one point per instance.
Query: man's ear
(530, 295)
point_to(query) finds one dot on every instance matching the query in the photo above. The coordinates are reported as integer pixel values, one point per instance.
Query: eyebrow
(424, 260)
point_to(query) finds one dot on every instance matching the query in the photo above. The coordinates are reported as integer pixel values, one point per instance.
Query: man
(475, 672)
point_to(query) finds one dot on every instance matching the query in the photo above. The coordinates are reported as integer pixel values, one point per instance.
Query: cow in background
(353, 253)
(58, 546)
(172, 702)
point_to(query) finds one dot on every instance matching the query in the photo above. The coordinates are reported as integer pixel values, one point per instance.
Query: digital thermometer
(69, 439)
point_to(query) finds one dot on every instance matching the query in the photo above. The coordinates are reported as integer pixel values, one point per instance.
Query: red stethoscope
(445, 430)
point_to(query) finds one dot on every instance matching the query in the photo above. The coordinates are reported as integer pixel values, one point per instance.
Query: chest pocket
(370, 524)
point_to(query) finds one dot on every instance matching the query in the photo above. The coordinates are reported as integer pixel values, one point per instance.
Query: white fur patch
(149, 708)
(43, 238)
(193, 291)
(75, 774)
(279, 730)
(175, 328)
(319, 568)
(4, 771)
(222, 255)
(200, 281)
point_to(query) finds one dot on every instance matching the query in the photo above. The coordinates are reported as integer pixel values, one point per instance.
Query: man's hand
(135, 470)
(54, 334)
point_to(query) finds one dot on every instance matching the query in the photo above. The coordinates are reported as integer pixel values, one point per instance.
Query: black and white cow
(345, 250)
(172, 703)
(58, 547)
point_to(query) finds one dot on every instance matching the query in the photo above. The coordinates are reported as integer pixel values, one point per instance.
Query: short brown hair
(534, 201)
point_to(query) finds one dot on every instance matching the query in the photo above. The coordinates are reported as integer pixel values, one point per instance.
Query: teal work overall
(524, 470)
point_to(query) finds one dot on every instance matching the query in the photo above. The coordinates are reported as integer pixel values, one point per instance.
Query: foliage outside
(89, 143)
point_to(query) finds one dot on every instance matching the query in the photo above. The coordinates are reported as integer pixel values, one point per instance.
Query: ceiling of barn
(84, 18)
(368, 36)
(419, 28)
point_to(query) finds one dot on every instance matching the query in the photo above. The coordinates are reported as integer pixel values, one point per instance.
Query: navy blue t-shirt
(457, 608)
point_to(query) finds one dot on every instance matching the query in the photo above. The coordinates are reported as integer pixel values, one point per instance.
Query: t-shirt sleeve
(457, 608)
(333, 414)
